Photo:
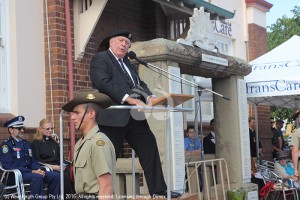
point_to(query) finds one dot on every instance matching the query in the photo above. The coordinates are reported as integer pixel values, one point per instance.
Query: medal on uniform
(30, 152)
(18, 153)
(17, 150)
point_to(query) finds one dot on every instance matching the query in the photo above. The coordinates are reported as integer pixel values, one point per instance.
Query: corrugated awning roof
(210, 8)
(186, 7)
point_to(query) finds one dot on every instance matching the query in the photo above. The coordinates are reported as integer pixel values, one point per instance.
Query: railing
(210, 183)
(178, 28)
(208, 178)
(124, 178)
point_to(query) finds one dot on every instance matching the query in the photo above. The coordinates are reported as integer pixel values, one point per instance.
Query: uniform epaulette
(97, 136)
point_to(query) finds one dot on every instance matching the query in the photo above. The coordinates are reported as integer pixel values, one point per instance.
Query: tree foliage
(284, 29)
(281, 31)
(282, 113)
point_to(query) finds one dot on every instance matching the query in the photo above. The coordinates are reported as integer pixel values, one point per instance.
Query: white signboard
(177, 141)
(214, 59)
(253, 195)
(244, 130)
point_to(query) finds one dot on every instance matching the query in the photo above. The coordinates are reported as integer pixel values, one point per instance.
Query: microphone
(132, 55)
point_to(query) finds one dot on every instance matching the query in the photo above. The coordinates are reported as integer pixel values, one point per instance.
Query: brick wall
(258, 47)
(264, 129)
(145, 24)
(257, 41)
(59, 66)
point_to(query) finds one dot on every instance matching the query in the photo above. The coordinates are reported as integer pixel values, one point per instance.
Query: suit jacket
(108, 77)
(208, 145)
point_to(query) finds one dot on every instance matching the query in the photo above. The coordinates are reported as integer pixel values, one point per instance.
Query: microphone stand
(200, 89)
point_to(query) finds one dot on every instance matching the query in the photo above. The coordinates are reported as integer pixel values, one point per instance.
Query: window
(177, 27)
(224, 46)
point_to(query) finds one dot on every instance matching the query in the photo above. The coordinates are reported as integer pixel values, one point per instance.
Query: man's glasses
(48, 129)
(19, 128)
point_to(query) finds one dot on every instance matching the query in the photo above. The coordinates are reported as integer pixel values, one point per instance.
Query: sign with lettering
(244, 130)
(276, 85)
(273, 88)
(275, 79)
(222, 27)
(177, 141)
(214, 59)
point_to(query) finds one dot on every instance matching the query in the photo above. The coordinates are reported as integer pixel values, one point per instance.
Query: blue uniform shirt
(191, 144)
(17, 154)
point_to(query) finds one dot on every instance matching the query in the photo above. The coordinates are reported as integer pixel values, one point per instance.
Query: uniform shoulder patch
(100, 143)
(5, 149)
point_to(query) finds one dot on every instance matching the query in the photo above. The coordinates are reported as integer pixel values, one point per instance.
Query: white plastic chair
(12, 190)
(14, 187)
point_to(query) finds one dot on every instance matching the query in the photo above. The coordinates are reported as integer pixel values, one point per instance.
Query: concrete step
(185, 196)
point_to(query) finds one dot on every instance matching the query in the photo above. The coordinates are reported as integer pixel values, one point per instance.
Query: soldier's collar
(92, 132)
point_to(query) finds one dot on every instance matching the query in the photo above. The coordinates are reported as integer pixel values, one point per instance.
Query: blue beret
(15, 122)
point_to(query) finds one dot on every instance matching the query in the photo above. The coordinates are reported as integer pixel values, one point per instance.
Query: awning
(186, 7)
(210, 8)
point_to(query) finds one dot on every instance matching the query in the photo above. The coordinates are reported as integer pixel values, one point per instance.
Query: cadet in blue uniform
(16, 153)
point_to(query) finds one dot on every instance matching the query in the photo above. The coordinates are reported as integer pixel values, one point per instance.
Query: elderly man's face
(17, 132)
(119, 46)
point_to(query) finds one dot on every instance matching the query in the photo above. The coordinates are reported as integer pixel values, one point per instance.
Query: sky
(280, 8)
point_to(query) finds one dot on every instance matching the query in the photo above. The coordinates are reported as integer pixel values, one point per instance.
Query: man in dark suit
(112, 74)
(209, 141)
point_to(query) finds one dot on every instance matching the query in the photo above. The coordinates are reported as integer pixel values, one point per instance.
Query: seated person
(16, 153)
(285, 169)
(46, 150)
(192, 144)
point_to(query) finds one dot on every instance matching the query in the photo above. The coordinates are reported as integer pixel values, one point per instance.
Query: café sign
(223, 28)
